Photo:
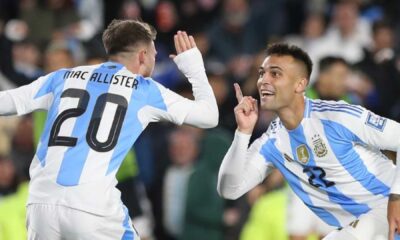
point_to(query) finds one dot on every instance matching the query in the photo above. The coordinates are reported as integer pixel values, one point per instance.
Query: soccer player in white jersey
(95, 114)
(329, 152)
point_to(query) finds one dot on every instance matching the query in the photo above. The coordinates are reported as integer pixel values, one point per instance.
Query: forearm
(7, 105)
(241, 169)
(204, 109)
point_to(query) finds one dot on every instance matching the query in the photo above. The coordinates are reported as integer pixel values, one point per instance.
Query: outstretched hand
(246, 112)
(182, 42)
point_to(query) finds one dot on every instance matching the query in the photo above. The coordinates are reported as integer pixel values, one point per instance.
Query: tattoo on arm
(394, 197)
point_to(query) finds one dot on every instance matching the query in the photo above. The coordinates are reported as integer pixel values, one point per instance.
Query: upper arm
(166, 104)
(34, 96)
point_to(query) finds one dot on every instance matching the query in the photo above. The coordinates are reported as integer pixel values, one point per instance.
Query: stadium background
(169, 179)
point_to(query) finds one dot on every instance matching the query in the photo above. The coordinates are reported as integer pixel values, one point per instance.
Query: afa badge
(376, 121)
(319, 146)
(302, 154)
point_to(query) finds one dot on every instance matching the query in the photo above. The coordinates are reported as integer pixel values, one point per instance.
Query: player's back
(93, 120)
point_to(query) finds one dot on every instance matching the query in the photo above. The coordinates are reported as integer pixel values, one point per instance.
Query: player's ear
(301, 85)
(142, 56)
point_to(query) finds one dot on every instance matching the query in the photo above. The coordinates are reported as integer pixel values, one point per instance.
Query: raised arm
(203, 110)
(165, 104)
(243, 168)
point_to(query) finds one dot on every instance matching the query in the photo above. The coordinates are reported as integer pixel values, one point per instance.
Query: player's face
(277, 83)
(150, 60)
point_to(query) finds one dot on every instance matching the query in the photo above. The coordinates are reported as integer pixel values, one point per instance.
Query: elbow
(226, 191)
(213, 122)
(213, 119)
(210, 121)
(230, 195)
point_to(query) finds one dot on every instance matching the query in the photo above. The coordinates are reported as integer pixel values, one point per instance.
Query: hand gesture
(246, 112)
(183, 42)
(394, 215)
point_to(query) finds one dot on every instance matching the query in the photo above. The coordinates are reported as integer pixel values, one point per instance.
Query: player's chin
(267, 106)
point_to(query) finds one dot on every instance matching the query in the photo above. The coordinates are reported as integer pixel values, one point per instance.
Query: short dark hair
(121, 34)
(284, 49)
(326, 62)
(381, 24)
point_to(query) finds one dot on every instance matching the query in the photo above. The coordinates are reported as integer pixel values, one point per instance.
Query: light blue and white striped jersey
(332, 160)
(95, 114)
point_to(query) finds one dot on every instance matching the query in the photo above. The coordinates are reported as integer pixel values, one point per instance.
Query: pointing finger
(238, 91)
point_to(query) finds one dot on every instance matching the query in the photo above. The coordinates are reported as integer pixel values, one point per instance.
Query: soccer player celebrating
(95, 114)
(329, 152)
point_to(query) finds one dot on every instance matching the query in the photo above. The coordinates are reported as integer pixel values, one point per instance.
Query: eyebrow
(275, 67)
(271, 68)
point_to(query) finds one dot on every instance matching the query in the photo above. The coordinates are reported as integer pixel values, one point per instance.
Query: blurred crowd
(168, 180)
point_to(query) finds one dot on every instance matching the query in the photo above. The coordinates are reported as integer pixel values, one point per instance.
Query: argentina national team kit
(338, 141)
(95, 114)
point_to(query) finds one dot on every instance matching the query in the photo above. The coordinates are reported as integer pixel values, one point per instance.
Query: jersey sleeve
(365, 127)
(172, 106)
(243, 167)
(34, 96)
(371, 129)
(203, 110)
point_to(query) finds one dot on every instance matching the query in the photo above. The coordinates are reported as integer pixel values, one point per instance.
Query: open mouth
(267, 93)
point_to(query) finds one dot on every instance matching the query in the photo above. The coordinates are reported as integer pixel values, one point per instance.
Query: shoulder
(147, 81)
(335, 110)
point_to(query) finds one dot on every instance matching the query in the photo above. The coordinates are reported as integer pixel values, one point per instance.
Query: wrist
(245, 131)
(190, 61)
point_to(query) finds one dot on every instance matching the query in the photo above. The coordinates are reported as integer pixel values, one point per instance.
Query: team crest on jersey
(376, 121)
(319, 146)
(302, 154)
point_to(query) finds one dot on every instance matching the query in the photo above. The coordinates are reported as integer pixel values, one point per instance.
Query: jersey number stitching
(317, 173)
(91, 135)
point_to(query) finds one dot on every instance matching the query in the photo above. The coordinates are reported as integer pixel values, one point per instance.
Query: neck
(292, 115)
(129, 62)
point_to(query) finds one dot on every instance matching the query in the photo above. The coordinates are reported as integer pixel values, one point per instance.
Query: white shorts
(301, 221)
(54, 222)
(370, 226)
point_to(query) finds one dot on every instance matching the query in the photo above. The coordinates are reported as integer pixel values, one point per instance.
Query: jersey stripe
(269, 151)
(336, 110)
(336, 107)
(74, 158)
(352, 163)
(128, 234)
(50, 85)
(298, 138)
(319, 104)
(145, 94)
